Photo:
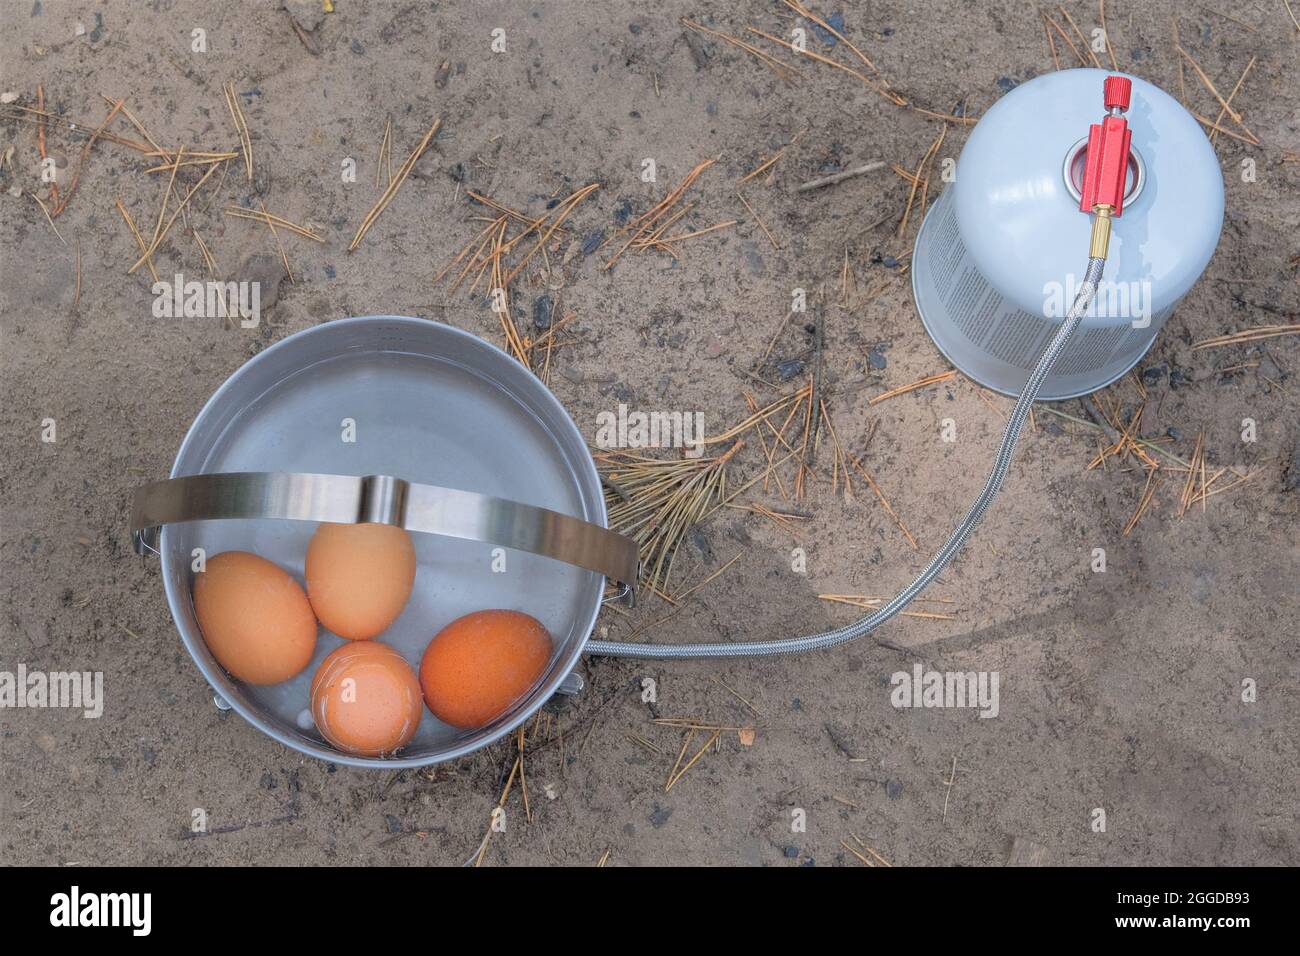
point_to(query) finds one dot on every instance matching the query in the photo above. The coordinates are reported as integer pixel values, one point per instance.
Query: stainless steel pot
(407, 422)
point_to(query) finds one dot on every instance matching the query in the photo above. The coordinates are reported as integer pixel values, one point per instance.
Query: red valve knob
(1105, 172)
(1118, 89)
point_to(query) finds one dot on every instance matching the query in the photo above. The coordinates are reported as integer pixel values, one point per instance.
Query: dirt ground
(1119, 690)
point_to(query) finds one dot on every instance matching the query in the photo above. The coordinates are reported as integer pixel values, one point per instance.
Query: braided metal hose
(851, 632)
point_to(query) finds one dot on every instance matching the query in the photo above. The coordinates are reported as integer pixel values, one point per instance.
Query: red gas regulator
(1105, 172)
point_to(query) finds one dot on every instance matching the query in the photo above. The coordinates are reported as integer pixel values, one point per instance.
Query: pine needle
(1254, 334)
(81, 160)
(179, 209)
(917, 179)
(643, 224)
(1144, 501)
(807, 14)
(676, 774)
(48, 218)
(787, 73)
(920, 383)
(238, 212)
(385, 153)
(875, 603)
(1079, 33)
(241, 127)
(131, 118)
(657, 501)
(1209, 85)
(139, 239)
(1228, 102)
(889, 509)
(284, 256)
(387, 196)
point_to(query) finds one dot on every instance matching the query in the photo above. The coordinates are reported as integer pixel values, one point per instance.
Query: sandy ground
(1119, 691)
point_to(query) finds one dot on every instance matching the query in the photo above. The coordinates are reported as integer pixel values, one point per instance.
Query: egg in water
(365, 699)
(255, 618)
(359, 577)
(480, 664)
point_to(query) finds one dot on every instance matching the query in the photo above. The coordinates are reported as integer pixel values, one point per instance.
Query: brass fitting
(1100, 230)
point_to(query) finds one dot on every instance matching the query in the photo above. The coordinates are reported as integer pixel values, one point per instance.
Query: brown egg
(480, 664)
(359, 577)
(365, 699)
(255, 618)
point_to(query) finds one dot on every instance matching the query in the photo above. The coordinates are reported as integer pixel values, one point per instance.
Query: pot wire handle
(382, 499)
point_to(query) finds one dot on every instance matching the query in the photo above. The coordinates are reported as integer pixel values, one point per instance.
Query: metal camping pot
(993, 259)
(408, 422)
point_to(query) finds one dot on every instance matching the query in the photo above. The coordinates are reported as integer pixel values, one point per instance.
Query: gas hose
(1001, 464)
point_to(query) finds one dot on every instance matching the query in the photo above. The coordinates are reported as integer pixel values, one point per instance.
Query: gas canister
(995, 263)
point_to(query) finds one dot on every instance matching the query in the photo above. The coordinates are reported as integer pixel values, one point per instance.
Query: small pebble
(789, 369)
(836, 22)
(542, 312)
